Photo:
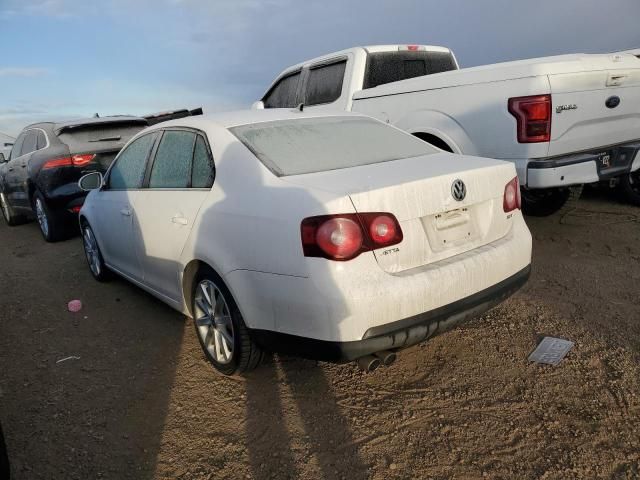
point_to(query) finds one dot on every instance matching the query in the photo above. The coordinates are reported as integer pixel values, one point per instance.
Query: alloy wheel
(5, 207)
(213, 322)
(42, 217)
(91, 251)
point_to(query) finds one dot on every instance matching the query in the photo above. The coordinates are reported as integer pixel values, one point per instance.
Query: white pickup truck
(564, 121)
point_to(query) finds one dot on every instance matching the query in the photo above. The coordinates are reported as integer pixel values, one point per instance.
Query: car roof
(245, 117)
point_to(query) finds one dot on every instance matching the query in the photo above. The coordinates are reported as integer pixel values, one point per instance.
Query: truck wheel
(51, 225)
(223, 335)
(550, 201)
(7, 212)
(629, 187)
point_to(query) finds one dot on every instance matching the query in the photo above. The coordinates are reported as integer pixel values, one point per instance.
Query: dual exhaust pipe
(369, 363)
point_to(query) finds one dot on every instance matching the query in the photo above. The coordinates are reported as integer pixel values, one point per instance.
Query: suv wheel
(51, 226)
(7, 212)
(223, 336)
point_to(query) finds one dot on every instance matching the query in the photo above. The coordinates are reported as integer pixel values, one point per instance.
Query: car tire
(7, 212)
(93, 254)
(550, 201)
(221, 331)
(5, 470)
(50, 223)
(629, 188)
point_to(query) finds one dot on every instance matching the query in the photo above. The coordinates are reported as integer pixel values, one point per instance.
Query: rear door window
(42, 140)
(30, 142)
(284, 93)
(324, 83)
(128, 171)
(172, 164)
(202, 172)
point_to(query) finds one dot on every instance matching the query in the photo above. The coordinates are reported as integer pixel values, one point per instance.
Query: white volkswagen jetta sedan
(332, 237)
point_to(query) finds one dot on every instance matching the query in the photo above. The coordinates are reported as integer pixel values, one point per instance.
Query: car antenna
(301, 107)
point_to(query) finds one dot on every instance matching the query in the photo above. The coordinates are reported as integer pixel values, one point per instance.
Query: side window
(172, 165)
(42, 139)
(283, 94)
(324, 84)
(128, 171)
(30, 142)
(202, 173)
(17, 146)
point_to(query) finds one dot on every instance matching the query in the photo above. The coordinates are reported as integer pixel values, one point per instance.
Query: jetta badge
(458, 190)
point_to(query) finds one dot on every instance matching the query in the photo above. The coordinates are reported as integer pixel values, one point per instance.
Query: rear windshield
(309, 145)
(100, 135)
(387, 67)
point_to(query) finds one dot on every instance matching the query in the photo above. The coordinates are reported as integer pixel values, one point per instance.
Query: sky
(72, 58)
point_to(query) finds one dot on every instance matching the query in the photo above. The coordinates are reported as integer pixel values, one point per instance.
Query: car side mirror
(259, 105)
(2, 159)
(91, 181)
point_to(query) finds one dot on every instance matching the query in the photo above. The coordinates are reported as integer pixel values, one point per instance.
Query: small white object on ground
(551, 350)
(72, 357)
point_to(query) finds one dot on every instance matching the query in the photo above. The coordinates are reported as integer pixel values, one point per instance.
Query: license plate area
(450, 229)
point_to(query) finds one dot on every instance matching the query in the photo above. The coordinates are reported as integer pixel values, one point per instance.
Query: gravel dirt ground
(140, 401)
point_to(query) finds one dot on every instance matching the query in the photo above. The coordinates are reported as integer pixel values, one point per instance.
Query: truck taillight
(512, 199)
(345, 236)
(533, 116)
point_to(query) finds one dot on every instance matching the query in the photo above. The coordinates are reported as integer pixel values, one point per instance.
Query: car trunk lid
(418, 191)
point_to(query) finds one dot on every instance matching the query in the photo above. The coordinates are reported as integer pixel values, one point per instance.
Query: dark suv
(40, 179)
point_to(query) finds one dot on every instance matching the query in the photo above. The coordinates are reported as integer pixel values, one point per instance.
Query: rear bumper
(580, 168)
(396, 335)
(344, 302)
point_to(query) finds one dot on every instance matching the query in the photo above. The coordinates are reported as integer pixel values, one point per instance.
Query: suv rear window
(387, 67)
(308, 145)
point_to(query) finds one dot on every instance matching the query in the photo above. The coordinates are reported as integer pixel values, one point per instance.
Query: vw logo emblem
(458, 190)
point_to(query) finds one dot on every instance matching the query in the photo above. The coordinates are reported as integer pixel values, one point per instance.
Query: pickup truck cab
(564, 121)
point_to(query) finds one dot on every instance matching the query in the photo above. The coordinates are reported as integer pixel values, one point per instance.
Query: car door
(17, 171)
(179, 179)
(114, 207)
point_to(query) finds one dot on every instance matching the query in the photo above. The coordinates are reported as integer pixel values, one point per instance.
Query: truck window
(387, 67)
(324, 84)
(283, 94)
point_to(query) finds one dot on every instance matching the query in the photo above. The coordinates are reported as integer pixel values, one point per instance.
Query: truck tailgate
(586, 113)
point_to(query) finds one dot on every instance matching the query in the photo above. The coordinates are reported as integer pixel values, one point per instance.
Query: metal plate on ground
(551, 350)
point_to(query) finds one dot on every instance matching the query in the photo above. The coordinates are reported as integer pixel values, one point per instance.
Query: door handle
(126, 212)
(179, 220)
(11, 169)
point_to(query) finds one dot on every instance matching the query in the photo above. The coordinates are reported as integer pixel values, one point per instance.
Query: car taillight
(82, 160)
(343, 237)
(511, 199)
(75, 160)
(533, 117)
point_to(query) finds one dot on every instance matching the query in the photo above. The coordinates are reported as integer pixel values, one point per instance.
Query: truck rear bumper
(582, 168)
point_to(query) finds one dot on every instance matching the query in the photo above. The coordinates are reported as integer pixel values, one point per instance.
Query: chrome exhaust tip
(368, 363)
(386, 357)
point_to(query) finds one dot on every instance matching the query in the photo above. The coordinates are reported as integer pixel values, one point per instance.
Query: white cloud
(22, 72)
